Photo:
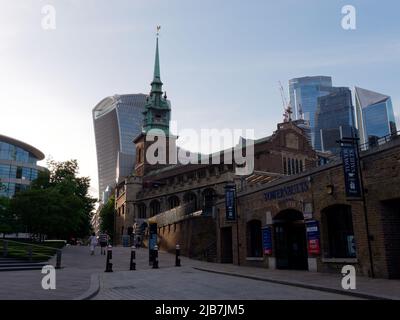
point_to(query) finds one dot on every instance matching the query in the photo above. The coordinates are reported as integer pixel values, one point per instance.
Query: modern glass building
(304, 93)
(375, 116)
(334, 119)
(117, 120)
(18, 165)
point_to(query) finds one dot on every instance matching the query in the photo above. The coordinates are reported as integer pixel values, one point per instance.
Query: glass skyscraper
(304, 93)
(334, 119)
(375, 116)
(117, 120)
(18, 165)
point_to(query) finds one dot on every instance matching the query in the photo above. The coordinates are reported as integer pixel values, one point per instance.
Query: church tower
(157, 116)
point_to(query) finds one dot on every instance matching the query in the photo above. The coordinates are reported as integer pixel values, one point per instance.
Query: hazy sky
(220, 61)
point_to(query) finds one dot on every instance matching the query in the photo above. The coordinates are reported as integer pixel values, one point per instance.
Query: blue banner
(351, 173)
(313, 237)
(230, 202)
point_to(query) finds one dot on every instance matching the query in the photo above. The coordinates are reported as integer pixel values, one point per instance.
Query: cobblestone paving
(186, 283)
(169, 282)
(71, 281)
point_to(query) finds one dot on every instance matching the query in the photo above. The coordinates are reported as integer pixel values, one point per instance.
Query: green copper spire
(156, 85)
(157, 112)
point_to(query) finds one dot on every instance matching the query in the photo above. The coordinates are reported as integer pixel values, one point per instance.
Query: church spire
(156, 85)
(157, 112)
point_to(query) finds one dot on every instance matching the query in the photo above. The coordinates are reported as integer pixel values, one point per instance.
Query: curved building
(117, 120)
(375, 117)
(18, 165)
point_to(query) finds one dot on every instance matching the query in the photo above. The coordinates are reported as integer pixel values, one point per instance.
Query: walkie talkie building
(117, 120)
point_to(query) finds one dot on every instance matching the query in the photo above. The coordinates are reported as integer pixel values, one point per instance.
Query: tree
(57, 204)
(7, 220)
(107, 213)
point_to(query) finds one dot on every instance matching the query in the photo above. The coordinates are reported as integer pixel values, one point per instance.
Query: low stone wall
(194, 234)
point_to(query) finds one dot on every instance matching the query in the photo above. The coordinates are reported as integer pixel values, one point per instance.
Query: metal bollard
(5, 248)
(177, 254)
(155, 257)
(109, 257)
(30, 253)
(133, 257)
(58, 259)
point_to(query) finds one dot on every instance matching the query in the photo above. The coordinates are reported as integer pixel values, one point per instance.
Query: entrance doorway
(391, 230)
(290, 240)
(226, 245)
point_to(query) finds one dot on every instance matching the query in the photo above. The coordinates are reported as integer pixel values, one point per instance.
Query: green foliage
(57, 204)
(7, 220)
(107, 213)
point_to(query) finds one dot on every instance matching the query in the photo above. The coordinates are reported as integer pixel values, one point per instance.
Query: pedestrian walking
(92, 243)
(103, 238)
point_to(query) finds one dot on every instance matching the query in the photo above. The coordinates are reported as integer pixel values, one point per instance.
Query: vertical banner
(313, 237)
(351, 173)
(230, 202)
(267, 240)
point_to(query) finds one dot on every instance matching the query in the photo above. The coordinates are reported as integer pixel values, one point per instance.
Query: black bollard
(109, 257)
(58, 259)
(177, 254)
(133, 257)
(5, 248)
(155, 257)
(30, 253)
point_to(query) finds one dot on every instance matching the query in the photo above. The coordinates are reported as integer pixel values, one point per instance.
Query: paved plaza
(83, 276)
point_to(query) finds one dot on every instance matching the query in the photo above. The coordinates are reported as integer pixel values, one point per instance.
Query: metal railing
(375, 142)
(29, 251)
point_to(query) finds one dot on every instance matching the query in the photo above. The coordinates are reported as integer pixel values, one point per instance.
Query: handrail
(379, 141)
(29, 244)
(25, 250)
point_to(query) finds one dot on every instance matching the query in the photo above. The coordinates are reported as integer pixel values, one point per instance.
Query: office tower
(304, 93)
(117, 120)
(334, 119)
(375, 117)
(18, 165)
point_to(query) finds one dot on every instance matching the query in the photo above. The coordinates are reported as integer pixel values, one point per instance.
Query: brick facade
(325, 193)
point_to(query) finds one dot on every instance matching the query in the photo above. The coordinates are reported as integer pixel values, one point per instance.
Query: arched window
(190, 201)
(141, 211)
(254, 239)
(154, 208)
(209, 198)
(339, 235)
(173, 202)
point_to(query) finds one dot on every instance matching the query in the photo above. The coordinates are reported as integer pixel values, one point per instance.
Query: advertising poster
(313, 237)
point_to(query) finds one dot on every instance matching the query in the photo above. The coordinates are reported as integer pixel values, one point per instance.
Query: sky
(221, 61)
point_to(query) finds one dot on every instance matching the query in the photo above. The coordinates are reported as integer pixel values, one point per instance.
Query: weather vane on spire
(158, 30)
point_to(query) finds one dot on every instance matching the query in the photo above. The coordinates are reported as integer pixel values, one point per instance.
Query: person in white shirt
(92, 243)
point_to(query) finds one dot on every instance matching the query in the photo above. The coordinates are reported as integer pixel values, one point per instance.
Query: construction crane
(287, 110)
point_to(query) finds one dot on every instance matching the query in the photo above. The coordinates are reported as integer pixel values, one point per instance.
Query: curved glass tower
(117, 120)
(375, 116)
(18, 165)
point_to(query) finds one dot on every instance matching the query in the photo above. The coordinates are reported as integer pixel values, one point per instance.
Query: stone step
(6, 261)
(21, 268)
(21, 264)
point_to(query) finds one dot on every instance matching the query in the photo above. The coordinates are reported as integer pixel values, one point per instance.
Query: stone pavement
(71, 281)
(365, 287)
(223, 281)
(83, 274)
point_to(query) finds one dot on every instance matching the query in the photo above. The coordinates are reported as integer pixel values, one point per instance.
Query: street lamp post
(354, 142)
